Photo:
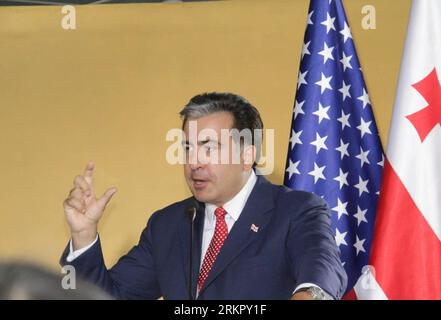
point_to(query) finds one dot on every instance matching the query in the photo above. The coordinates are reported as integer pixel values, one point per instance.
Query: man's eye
(210, 147)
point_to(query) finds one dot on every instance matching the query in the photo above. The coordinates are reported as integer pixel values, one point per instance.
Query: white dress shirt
(233, 208)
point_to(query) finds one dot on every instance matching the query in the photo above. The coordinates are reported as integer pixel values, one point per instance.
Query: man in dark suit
(251, 239)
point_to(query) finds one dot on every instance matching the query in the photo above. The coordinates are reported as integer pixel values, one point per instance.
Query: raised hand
(83, 209)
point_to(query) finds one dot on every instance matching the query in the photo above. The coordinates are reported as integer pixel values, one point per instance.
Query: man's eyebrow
(207, 140)
(201, 142)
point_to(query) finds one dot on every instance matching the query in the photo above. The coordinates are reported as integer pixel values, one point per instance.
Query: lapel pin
(254, 228)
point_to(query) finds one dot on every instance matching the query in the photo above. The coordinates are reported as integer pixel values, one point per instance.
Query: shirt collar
(235, 206)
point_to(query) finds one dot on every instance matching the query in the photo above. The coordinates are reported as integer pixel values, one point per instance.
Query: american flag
(334, 149)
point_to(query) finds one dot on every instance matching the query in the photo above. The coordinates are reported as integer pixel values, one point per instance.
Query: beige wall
(110, 90)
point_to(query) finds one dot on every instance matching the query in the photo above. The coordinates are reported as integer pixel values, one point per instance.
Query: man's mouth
(199, 184)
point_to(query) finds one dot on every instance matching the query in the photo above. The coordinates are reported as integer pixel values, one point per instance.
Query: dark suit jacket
(294, 244)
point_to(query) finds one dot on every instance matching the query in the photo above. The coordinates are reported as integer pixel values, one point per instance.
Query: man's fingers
(88, 172)
(105, 198)
(76, 193)
(76, 204)
(80, 182)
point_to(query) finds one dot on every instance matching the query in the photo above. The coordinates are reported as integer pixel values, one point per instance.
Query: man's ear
(248, 157)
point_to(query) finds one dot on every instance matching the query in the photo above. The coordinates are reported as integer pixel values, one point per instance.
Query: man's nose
(196, 161)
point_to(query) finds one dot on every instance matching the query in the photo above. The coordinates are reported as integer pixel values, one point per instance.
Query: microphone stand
(191, 210)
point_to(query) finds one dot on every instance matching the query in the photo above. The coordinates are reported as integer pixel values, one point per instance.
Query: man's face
(210, 171)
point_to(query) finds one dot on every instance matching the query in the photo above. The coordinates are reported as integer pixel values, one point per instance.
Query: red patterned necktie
(220, 234)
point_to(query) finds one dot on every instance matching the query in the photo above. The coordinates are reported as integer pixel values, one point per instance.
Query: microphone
(191, 211)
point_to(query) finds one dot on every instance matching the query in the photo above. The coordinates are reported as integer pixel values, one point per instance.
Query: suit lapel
(259, 203)
(184, 237)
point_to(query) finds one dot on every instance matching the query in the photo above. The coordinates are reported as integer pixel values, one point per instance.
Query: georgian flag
(406, 248)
